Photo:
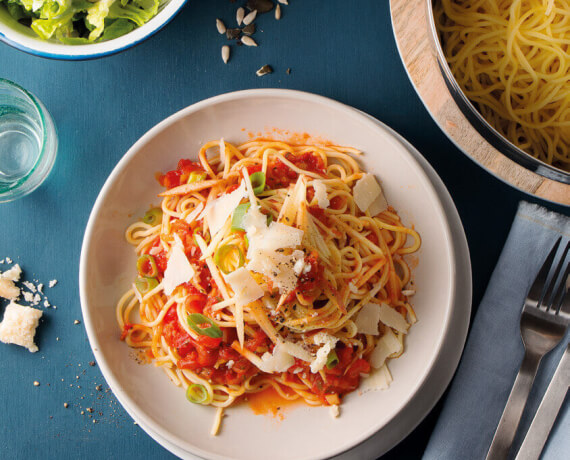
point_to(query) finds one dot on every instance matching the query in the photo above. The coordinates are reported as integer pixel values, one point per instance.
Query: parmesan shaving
(368, 195)
(245, 288)
(278, 361)
(178, 269)
(386, 346)
(217, 211)
(365, 191)
(379, 379)
(367, 320)
(194, 213)
(392, 318)
(321, 194)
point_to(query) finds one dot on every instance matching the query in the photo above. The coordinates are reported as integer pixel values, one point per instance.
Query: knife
(547, 411)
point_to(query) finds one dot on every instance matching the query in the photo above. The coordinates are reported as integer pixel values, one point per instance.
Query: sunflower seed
(249, 29)
(240, 13)
(248, 41)
(278, 12)
(221, 26)
(232, 34)
(225, 53)
(262, 6)
(264, 71)
(250, 18)
(285, 2)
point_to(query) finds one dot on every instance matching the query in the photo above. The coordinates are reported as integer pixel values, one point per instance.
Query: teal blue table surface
(342, 50)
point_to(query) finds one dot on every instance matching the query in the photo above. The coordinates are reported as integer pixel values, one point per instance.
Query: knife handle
(542, 423)
(507, 428)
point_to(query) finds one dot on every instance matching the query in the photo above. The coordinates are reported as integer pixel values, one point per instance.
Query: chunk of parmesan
(368, 195)
(178, 269)
(217, 211)
(367, 320)
(8, 289)
(19, 326)
(386, 346)
(321, 194)
(13, 274)
(245, 288)
(392, 318)
(278, 361)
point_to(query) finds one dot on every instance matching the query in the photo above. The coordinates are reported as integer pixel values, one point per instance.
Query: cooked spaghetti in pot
(270, 265)
(511, 58)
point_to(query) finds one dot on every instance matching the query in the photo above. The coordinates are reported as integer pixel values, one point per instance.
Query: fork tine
(549, 297)
(535, 294)
(563, 300)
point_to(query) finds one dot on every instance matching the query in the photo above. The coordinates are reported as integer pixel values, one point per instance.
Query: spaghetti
(512, 59)
(270, 265)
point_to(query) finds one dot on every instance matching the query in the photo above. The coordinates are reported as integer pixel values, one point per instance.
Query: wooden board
(410, 23)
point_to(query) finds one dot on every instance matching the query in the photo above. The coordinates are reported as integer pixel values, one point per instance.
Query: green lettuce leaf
(140, 14)
(96, 15)
(117, 28)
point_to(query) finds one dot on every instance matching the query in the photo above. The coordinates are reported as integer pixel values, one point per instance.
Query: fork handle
(507, 428)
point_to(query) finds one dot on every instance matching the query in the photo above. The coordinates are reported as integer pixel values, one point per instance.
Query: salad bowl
(110, 26)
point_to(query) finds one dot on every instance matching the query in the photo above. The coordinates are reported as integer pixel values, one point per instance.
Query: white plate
(107, 262)
(443, 370)
(446, 364)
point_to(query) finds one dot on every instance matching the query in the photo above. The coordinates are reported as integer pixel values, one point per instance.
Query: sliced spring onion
(197, 393)
(145, 284)
(146, 266)
(229, 258)
(196, 176)
(153, 216)
(197, 320)
(269, 219)
(238, 216)
(257, 182)
(332, 359)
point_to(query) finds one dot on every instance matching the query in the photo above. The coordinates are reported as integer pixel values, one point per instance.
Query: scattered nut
(264, 70)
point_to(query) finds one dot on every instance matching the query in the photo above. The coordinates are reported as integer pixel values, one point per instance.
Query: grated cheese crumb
(29, 285)
(52, 283)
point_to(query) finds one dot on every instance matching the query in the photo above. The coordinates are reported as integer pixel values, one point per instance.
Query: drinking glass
(28, 141)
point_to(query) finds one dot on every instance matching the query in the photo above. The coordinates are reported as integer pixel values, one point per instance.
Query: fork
(544, 321)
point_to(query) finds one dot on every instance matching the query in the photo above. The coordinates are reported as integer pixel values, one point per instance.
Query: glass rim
(41, 112)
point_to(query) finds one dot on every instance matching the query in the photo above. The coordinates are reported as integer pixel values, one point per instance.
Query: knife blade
(547, 412)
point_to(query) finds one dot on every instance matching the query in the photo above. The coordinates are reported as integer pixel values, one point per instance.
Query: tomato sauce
(269, 402)
(202, 355)
(341, 379)
(279, 175)
(179, 175)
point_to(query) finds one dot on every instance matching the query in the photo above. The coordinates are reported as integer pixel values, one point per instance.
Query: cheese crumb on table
(19, 326)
